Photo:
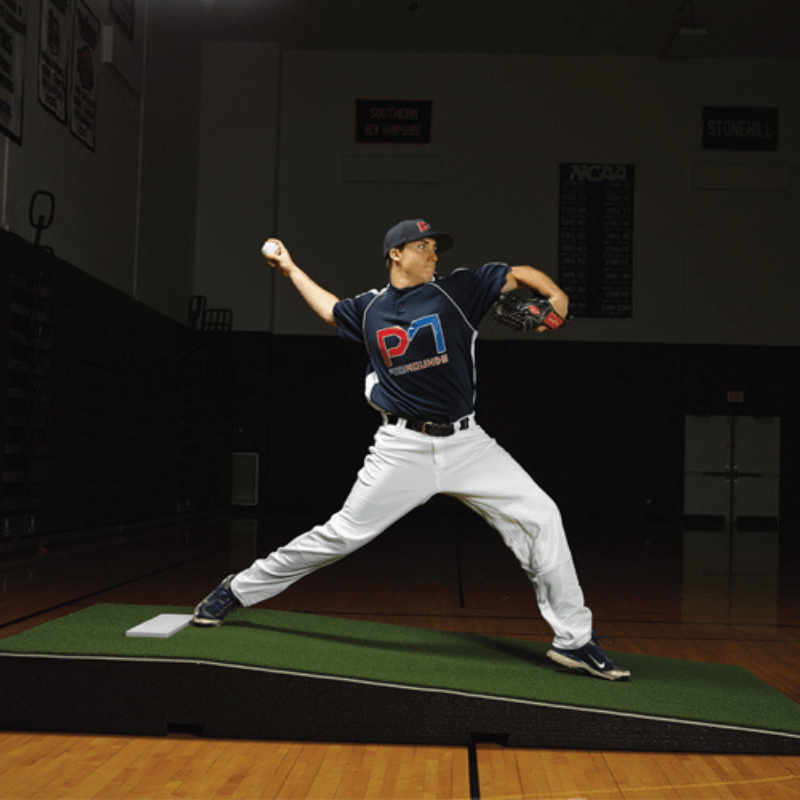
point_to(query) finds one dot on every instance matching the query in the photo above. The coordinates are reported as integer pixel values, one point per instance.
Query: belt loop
(465, 422)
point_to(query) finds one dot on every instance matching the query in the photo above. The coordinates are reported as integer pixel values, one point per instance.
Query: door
(731, 472)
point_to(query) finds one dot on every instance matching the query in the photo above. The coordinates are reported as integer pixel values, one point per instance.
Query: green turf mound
(417, 657)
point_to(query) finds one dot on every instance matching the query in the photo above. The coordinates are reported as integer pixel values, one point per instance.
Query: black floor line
(112, 587)
(472, 757)
(474, 777)
(461, 603)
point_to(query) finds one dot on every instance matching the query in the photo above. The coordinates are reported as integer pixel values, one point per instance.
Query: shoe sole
(206, 623)
(572, 663)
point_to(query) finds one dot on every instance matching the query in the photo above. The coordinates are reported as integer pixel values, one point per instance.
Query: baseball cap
(410, 230)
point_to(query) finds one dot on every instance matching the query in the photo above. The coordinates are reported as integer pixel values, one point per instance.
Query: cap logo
(423, 226)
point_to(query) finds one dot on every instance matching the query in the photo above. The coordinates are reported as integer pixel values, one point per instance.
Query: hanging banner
(736, 128)
(393, 121)
(596, 239)
(13, 29)
(54, 48)
(85, 61)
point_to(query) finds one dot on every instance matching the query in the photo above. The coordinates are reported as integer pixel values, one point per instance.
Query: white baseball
(270, 249)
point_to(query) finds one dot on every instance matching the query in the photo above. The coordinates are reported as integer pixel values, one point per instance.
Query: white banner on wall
(54, 48)
(85, 61)
(13, 28)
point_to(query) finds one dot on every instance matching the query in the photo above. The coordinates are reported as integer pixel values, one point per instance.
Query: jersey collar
(405, 290)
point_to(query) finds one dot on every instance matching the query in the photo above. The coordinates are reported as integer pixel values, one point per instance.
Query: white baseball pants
(403, 470)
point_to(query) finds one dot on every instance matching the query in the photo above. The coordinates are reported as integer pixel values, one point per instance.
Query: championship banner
(54, 47)
(85, 62)
(595, 253)
(13, 29)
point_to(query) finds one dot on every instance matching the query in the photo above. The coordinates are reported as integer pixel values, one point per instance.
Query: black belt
(429, 428)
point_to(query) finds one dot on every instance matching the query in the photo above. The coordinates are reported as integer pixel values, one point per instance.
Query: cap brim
(444, 241)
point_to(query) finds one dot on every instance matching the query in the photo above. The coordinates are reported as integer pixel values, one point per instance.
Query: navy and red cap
(411, 230)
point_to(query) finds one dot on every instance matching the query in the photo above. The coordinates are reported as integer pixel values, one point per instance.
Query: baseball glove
(525, 312)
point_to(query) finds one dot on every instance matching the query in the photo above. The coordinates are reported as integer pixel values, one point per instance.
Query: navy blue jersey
(421, 341)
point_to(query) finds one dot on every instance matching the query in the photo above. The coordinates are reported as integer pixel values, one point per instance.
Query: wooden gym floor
(706, 596)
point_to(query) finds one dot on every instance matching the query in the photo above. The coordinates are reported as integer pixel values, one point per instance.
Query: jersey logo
(394, 341)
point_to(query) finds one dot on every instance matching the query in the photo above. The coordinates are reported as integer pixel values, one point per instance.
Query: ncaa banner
(595, 249)
(54, 46)
(13, 29)
(85, 63)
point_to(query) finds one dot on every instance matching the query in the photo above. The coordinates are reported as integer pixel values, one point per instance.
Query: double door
(732, 471)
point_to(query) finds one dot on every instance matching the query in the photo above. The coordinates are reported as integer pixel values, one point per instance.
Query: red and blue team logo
(394, 341)
(423, 226)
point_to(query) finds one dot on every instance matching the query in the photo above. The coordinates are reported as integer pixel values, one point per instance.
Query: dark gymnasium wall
(599, 425)
(112, 413)
(115, 414)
